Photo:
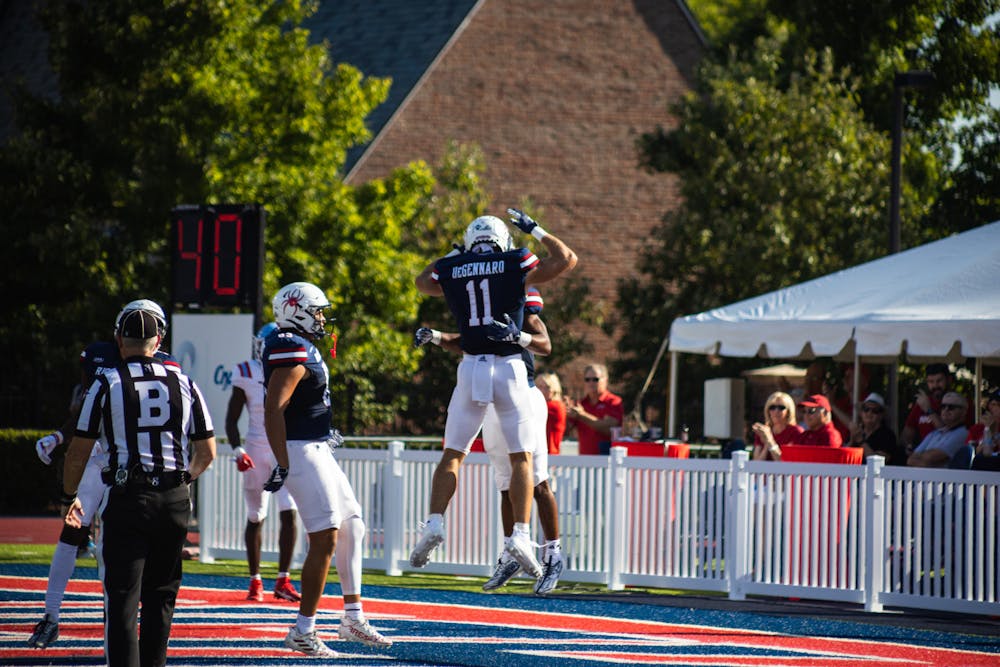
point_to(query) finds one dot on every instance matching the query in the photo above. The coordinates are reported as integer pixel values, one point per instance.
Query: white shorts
(319, 486)
(92, 488)
(484, 380)
(496, 446)
(254, 496)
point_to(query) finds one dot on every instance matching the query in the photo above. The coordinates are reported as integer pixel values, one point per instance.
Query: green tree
(780, 184)
(186, 102)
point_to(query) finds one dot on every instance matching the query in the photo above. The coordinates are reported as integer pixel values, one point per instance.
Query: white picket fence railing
(873, 535)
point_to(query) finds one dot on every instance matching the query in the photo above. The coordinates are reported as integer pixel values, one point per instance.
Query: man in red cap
(819, 428)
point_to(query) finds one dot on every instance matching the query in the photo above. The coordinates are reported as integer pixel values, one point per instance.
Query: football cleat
(520, 548)
(283, 590)
(308, 643)
(46, 632)
(551, 571)
(504, 572)
(256, 592)
(431, 537)
(361, 631)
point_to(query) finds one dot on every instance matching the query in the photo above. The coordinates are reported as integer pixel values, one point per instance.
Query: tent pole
(857, 386)
(672, 396)
(978, 391)
(893, 397)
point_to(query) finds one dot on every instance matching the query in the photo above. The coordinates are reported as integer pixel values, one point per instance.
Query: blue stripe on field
(470, 652)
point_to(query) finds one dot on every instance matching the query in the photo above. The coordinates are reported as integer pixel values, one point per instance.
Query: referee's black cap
(138, 324)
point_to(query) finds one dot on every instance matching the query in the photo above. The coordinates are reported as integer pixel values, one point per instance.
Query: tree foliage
(783, 152)
(161, 104)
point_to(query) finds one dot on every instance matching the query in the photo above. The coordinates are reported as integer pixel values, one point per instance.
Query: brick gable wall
(556, 92)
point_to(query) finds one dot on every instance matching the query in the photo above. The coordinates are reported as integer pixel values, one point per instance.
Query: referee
(146, 413)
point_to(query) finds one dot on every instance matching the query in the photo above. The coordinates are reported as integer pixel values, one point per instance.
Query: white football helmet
(487, 233)
(298, 306)
(150, 307)
(258, 340)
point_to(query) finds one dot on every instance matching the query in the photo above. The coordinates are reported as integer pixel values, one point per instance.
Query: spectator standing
(873, 434)
(937, 449)
(778, 428)
(255, 462)
(149, 416)
(597, 412)
(985, 435)
(555, 425)
(819, 428)
(925, 414)
(841, 397)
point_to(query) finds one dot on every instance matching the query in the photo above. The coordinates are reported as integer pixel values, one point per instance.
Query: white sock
(305, 624)
(435, 520)
(553, 548)
(60, 571)
(522, 528)
(353, 611)
(282, 575)
(255, 576)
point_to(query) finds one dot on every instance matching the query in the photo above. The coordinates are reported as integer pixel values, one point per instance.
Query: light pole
(902, 81)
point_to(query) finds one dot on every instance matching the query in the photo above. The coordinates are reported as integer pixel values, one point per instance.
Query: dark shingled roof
(398, 39)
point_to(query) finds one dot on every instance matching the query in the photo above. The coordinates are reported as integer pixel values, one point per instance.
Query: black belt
(157, 481)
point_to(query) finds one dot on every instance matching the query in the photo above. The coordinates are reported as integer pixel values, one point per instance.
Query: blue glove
(521, 220)
(425, 335)
(276, 480)
(505, 331)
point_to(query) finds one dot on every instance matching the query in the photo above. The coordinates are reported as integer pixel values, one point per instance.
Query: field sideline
(437, 620)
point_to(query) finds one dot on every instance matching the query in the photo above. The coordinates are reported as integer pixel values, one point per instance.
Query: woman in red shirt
(779, 427)
(555, 425)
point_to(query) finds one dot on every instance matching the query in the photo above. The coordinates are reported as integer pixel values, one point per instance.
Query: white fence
(873, 535)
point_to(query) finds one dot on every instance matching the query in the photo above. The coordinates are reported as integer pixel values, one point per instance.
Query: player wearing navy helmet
(297, 419)
(255, 462)
(484, 285)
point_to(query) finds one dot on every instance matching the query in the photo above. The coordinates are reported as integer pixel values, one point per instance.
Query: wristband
(67, 498)
(538, 232)
(435, 336)
(59, 437)
(524, 339)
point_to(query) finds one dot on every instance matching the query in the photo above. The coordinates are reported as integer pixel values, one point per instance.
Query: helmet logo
(292, 300)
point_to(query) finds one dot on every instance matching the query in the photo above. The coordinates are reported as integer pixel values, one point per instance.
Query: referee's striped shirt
(147, 413)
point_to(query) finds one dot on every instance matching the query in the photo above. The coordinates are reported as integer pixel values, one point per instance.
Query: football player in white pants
(297, 418)
(496, 447)
(483, 283)
(255, 460)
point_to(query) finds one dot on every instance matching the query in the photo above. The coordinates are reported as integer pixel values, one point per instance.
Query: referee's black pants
(143, 536)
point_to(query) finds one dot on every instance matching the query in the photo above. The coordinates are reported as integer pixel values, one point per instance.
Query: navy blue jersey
(104, 354)
(308, 414)
(480, 288)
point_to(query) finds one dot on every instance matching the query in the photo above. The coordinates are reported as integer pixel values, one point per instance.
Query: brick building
(556, 92)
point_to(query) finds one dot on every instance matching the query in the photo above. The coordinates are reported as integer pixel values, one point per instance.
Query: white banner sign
(207, 347)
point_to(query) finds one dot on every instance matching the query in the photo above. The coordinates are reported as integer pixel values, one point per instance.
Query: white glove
(45, 446)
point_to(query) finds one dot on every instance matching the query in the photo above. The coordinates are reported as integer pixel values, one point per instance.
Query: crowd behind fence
(873, 535)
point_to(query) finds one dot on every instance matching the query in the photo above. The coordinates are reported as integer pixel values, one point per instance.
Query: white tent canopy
(936, 301)
(924, 302)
